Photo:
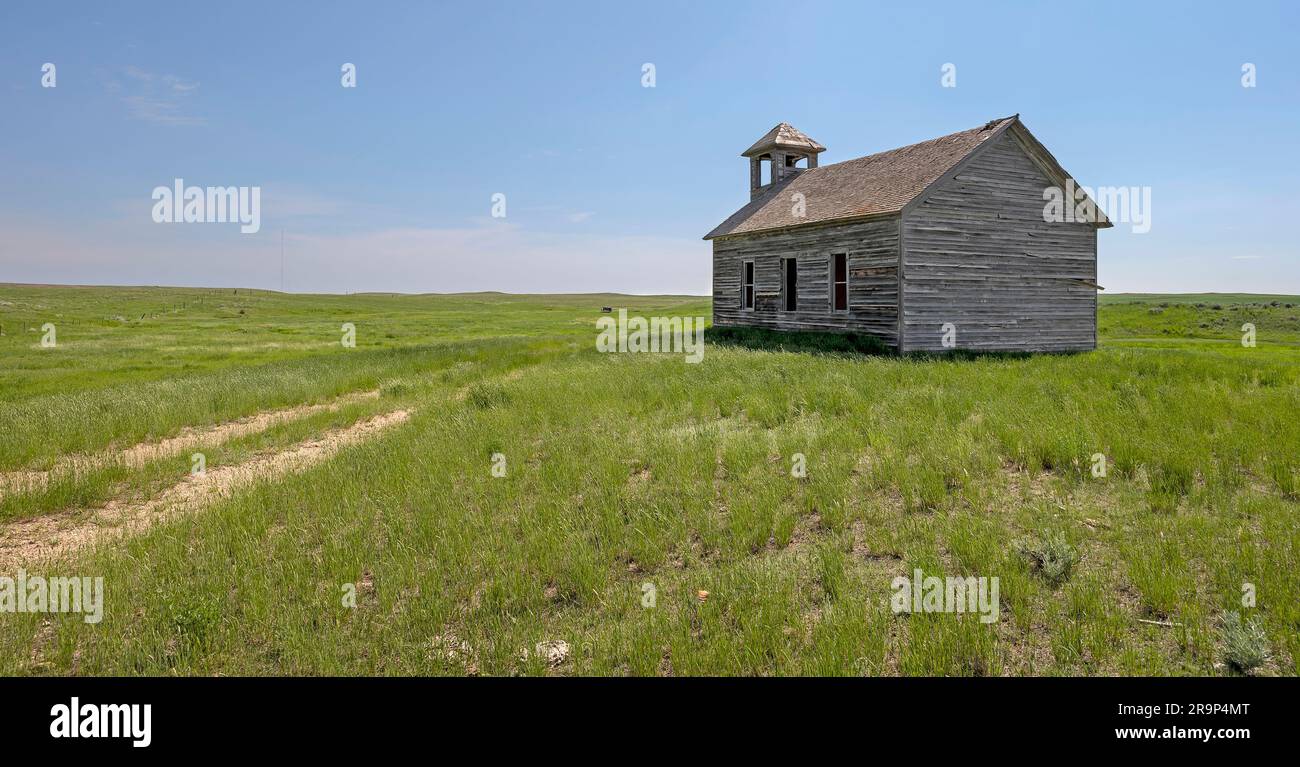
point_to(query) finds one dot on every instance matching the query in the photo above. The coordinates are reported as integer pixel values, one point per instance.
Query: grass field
(351, 520)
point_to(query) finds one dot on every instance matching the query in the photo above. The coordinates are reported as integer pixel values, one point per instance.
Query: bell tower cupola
(783, 152)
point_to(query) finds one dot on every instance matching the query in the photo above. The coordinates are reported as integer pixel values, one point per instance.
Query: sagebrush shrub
(1245, 645)
(1053, 558)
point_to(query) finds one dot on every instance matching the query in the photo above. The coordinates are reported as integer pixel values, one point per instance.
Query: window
(796, 161)
(764, 170)
(840, 282)
(747, 285)
(790, 281)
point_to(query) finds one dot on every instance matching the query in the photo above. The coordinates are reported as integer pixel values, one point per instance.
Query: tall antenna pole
(281, 260)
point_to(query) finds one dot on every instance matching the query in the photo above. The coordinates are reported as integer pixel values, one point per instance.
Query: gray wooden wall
(977, 253)
(872, 248)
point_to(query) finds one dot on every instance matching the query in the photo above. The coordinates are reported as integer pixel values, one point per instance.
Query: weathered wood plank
(978, 254)
(872, 250)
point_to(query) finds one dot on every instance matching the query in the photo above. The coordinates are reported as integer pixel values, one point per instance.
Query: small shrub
(1053, 558)
(194, 618)
(1245, 646)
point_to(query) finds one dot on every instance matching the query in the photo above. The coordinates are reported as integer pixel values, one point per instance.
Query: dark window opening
(796, 161)
(840, 282)
(791, 282)
(764, 170)
(747, 286)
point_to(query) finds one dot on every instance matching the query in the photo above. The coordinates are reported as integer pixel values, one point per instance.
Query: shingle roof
(786, 136)
(880, 183)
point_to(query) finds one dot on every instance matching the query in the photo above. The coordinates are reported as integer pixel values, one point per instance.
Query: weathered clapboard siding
(872, 248)
(978, 254)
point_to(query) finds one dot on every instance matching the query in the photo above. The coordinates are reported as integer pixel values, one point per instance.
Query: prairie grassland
(634, 482)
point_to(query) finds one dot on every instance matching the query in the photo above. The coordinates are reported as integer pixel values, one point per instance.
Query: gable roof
(878, 184)
(785, 136)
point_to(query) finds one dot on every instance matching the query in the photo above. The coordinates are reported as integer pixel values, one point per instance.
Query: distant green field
(631, 484)
(1201, 316)
(1197, 298)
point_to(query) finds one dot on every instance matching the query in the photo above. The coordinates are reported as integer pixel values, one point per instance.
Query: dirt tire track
(51, 536)
(189, 437)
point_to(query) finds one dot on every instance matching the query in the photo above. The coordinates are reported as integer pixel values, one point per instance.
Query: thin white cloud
(161, 99)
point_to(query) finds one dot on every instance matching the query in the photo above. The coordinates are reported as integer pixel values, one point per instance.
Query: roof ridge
(986, 126)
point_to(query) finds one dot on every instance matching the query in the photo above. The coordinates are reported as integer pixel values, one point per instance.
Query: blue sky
(609, 185)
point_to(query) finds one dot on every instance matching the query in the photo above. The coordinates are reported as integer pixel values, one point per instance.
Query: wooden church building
(938, 245)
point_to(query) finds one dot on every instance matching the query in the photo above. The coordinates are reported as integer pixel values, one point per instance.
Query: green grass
(1203, 317)
(631, 469)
